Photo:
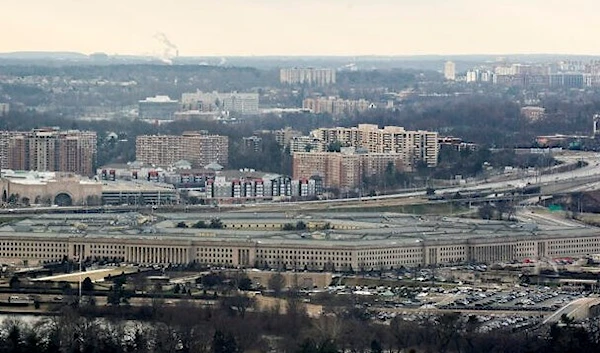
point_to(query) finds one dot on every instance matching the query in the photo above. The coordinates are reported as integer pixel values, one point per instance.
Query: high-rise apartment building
(198, 148)
(49, 149)
(5, 149)
(335, 106)
(412, 146)
(4, 109)
(284, 136)
(450, 71)
(308, 76)
(242, 103)
(346, 169)
(306, 144)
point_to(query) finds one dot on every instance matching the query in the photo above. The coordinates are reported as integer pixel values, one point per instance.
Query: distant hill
(37, 55)
(363, 62)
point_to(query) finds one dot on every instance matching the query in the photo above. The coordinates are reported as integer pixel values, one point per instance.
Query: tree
(238, 303)
(117, 294)
(140, 283)
(376, 347)
(200, 224)
(212, 280)
(181, 224)
(14, 283)
(335, 146)
(13, 199)
(216, 223)
(87, 285)
(245, 283)
(503, 207)
(486, 211)
(276, 283)
(224, 343)
(300, 225)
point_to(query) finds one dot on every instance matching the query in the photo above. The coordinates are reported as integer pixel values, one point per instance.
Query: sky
(302, 27)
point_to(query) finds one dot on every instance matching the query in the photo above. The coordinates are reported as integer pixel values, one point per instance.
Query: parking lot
(543, 299)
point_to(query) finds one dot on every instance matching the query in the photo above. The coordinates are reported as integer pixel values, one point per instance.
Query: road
(576, 309)
(587, 175)
(544, 218)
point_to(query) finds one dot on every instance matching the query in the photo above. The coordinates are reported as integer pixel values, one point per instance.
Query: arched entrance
(63, 199)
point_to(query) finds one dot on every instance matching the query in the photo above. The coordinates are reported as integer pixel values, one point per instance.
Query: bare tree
(276, 283)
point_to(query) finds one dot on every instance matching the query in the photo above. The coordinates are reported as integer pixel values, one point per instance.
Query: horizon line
(293, 55)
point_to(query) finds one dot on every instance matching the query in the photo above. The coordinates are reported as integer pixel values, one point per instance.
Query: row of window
(107, 246)
(392, 256)
(30, 255)
(305, 252)
(391, 251)
(288, 257)
(44, 245)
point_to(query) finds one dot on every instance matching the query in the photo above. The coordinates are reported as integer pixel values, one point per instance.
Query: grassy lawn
(420, 209)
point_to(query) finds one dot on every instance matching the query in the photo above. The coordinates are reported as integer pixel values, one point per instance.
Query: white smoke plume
(170, 49)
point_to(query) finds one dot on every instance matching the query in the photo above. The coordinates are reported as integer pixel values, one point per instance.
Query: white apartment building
(412, 146)
(242, 103)
(335, 105)
(309, 76)
(450, 71)
(198, 148)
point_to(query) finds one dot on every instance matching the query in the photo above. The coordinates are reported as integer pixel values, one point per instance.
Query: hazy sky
(303, 27)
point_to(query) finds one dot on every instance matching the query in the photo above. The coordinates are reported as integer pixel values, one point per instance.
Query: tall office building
(49, 149)
(412, 146)
(450, 71)
(198, 148)
(308, 76)
(242, 103)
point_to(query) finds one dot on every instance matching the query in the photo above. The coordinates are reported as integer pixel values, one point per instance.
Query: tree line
(235, 325)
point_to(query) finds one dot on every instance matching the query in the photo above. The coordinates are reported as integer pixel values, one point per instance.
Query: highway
(541, 217)
(577, 309)
(586, 178)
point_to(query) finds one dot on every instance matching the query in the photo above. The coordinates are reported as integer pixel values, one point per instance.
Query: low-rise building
(533, 113)
(49, 188)
(241, 103)
(349, 242)
(158, 108)
(224, 186)
(138, 192)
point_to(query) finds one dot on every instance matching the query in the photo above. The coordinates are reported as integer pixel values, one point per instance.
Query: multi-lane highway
(579, 179)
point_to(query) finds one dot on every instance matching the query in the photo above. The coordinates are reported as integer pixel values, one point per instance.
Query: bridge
(578, 309)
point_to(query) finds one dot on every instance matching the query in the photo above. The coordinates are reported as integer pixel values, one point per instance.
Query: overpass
(550, 184)
(578, 309)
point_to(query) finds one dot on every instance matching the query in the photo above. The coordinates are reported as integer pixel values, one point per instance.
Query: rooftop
(351, 229)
